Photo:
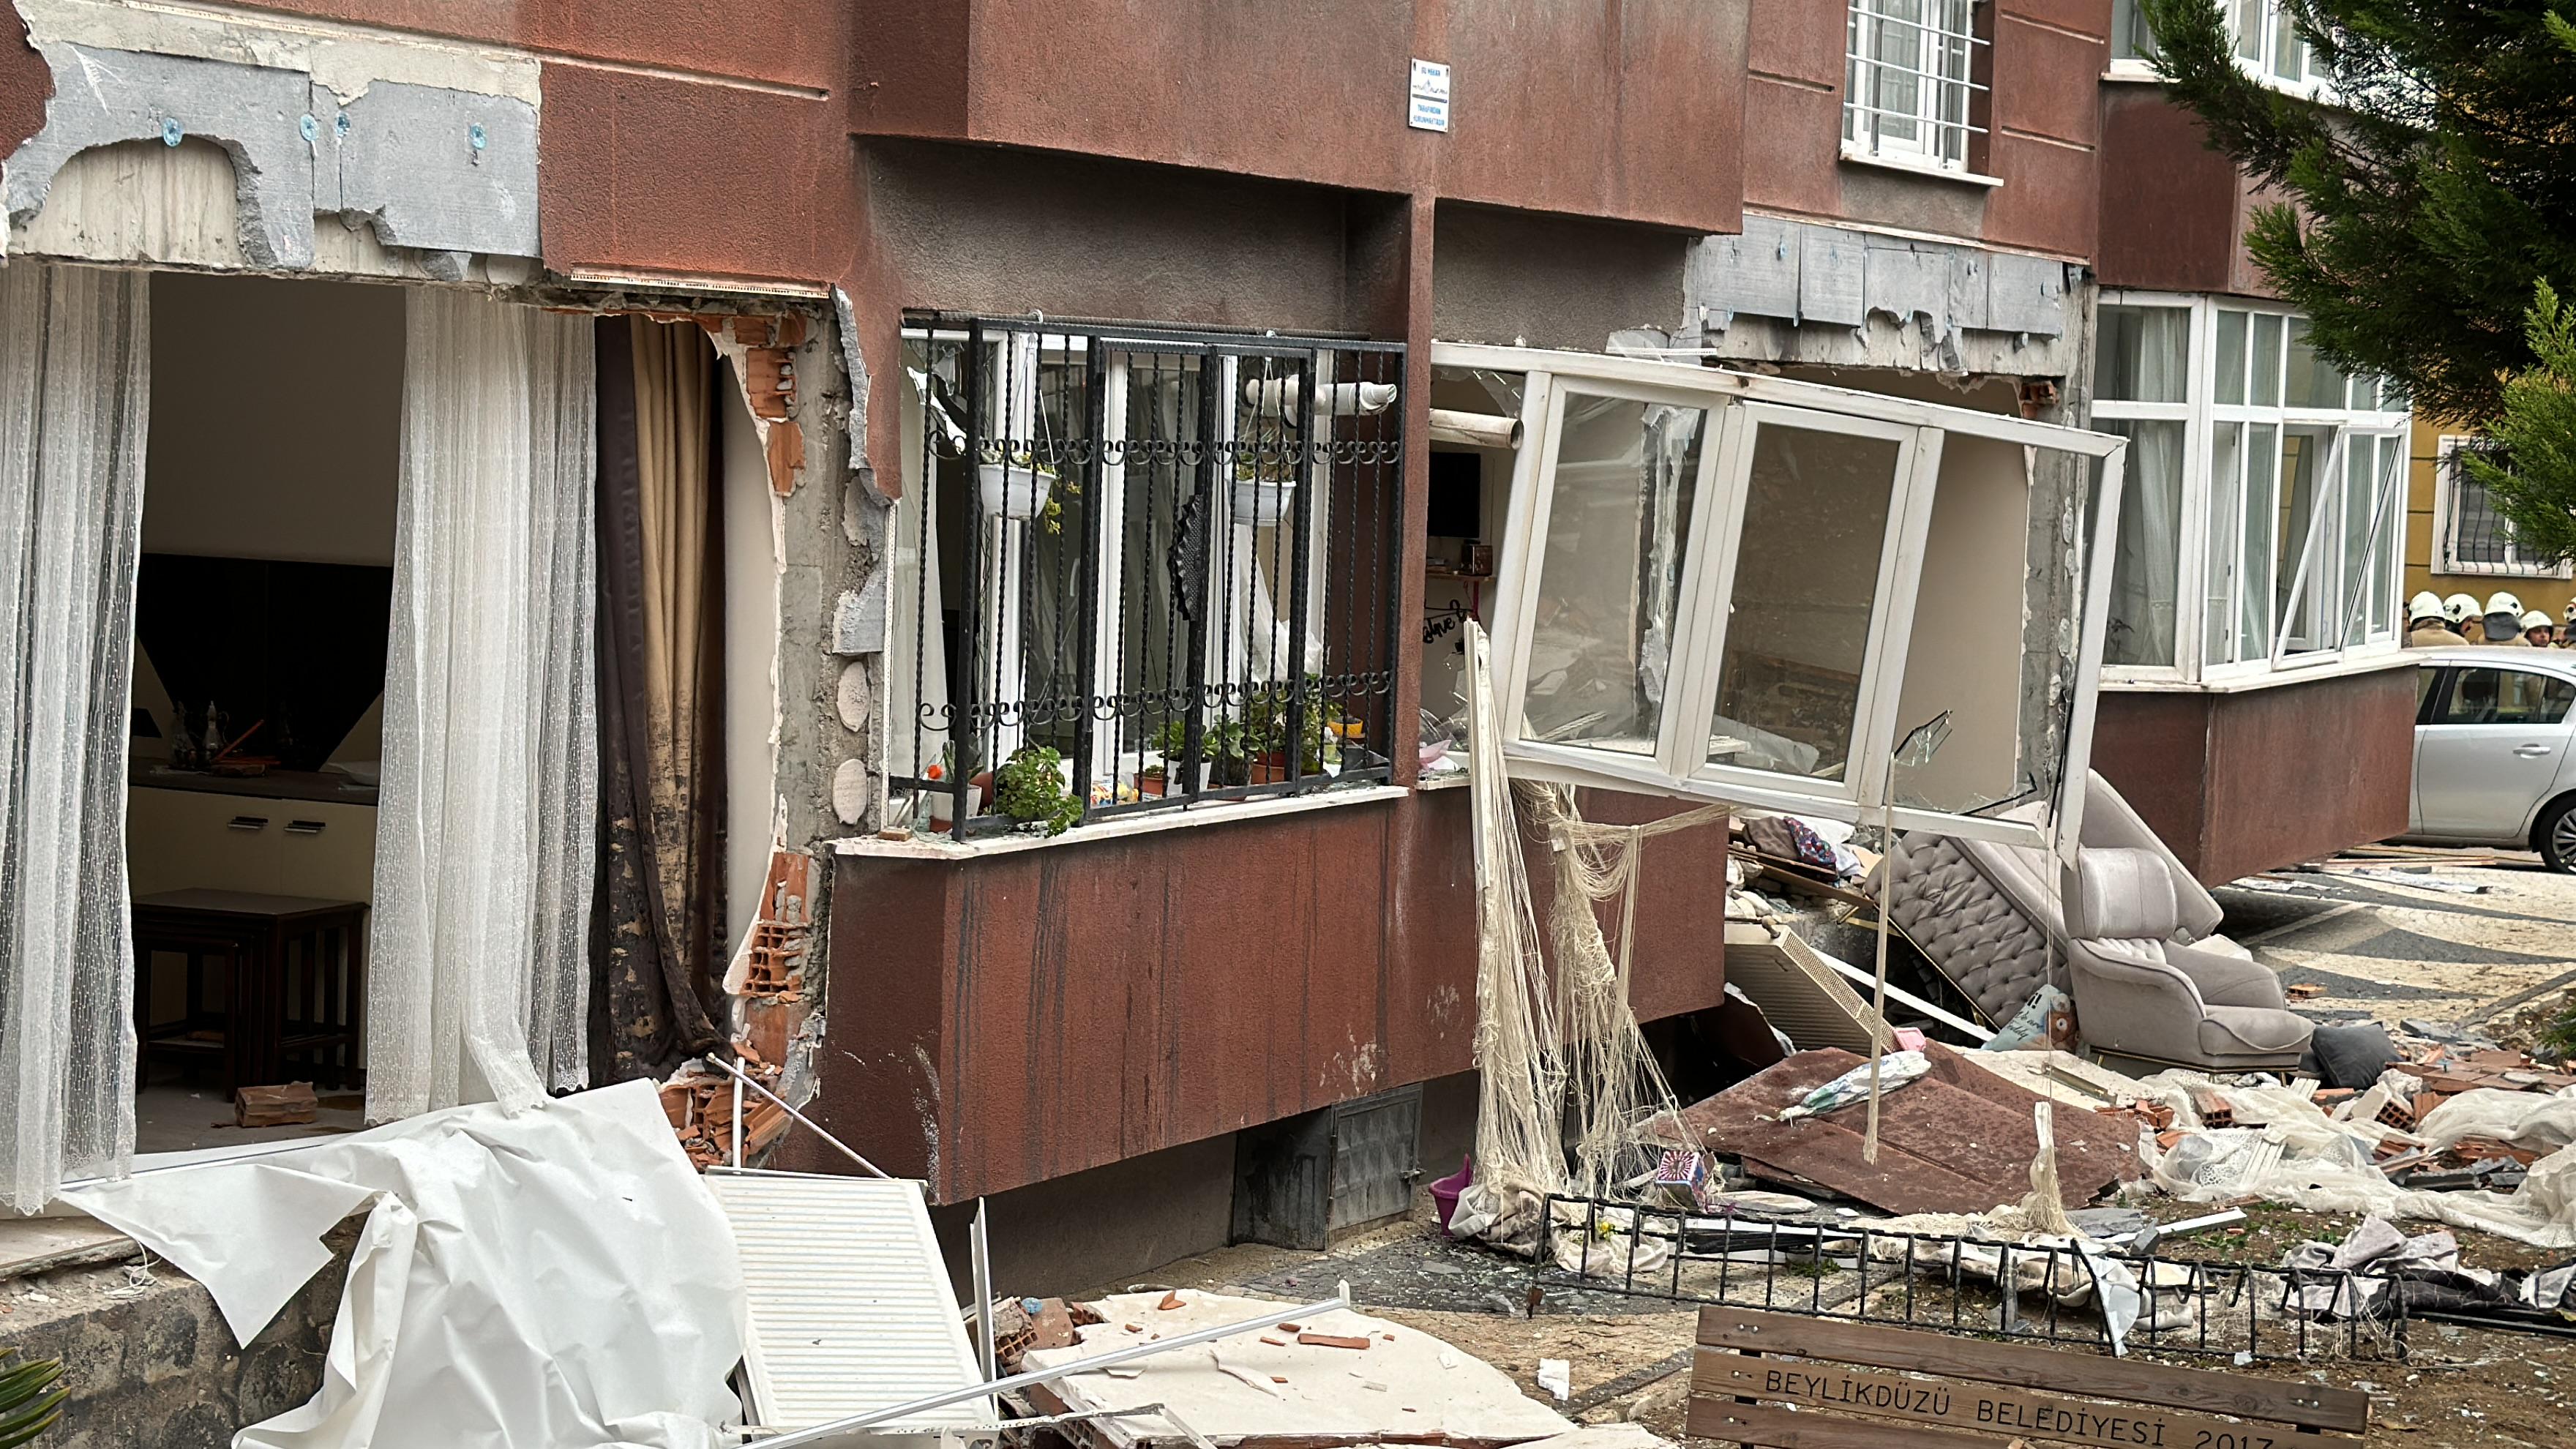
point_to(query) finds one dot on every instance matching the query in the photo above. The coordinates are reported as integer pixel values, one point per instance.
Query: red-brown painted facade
(2254, 780)
(1002, 1021)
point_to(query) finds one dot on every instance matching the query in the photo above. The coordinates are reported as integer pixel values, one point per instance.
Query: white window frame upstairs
(2259, 54)
(1737, 405)
(1934, 45)
(2281, 651)
(2446, 522)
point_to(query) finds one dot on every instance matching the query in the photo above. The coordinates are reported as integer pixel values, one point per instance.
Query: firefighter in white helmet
(2536, 631)
(2425, 626)
(2504, 620)
(2462, 611)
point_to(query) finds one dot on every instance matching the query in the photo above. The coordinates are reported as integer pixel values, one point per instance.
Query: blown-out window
(2265, 522)
(1910, 68)
(1750, 589)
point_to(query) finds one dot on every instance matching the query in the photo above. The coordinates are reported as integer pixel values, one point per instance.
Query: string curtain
(487, 819)
(75, 378)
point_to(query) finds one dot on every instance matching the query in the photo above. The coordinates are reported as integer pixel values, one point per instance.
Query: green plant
(1030, 789)
(1223, 746)
(1058, 487)
(1265, 722)
(31, 1398)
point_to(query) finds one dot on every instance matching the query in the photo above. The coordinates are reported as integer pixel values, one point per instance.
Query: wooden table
(297, 997)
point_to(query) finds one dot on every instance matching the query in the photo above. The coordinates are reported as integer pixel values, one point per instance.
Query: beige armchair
(2141, 993)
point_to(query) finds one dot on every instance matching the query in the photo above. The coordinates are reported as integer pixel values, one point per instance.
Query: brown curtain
(657, 914)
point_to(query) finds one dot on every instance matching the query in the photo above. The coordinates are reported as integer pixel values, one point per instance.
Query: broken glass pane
(1816, 515)
(1601, 633)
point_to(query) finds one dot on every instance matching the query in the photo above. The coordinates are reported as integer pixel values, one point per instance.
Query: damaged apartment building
(549, 542)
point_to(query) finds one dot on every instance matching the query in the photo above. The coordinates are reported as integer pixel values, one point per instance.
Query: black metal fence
(1160, 564)
(1948, 1284)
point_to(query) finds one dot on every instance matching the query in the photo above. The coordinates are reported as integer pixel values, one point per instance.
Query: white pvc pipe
(1476, 430)
(1278, 396)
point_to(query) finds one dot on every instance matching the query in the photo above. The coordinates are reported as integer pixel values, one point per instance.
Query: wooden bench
(1793, 1382)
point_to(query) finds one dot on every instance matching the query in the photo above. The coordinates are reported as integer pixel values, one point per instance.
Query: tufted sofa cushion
(1966, 924)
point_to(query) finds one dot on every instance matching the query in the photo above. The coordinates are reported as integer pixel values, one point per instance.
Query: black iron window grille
(2475, 538)
(1139, 569)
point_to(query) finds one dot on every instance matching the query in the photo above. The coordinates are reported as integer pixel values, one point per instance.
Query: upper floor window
(1911, 66)
(2268, 46)
(2263, 522)
(2469, 536)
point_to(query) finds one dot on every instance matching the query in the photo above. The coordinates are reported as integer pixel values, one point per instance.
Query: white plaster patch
(850, 790)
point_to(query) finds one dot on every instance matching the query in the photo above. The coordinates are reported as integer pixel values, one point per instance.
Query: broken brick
(1171, 1300)
(786, 456)
(1331, 1340)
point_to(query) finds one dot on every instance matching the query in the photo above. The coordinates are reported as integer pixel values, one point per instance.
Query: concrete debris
(700, 1104)
(275, 1106)
(1308, 1391)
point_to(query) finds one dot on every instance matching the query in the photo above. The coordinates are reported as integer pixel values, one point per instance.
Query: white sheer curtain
(486, 826)
(75, 361)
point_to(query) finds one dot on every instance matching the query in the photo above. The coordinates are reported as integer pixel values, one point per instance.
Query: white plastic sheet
(553, 1278)
(484, 839)
(75, 355)
(2303, 1158)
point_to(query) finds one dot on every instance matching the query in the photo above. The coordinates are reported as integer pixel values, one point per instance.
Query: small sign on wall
(1429, 110)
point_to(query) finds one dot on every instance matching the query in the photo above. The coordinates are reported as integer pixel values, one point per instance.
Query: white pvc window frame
(1929, 45)
(2447, 484)
(1738, 404)
(2279, 654)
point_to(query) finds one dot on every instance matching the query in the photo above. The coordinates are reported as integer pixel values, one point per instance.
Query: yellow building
(2455, 544)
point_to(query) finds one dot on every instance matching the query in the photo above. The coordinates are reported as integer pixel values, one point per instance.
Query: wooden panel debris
(1957, 1141)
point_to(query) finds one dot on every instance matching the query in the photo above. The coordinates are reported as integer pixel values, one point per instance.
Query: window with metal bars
(1167, 557)
(1911, 86)
(2475, 538)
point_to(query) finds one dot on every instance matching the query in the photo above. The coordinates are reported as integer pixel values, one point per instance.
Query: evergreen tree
(2433, 200)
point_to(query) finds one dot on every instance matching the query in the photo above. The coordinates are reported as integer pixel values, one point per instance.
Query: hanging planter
(1263, 502)
(1014, 490)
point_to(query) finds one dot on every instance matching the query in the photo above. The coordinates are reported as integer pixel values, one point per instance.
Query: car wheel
(2555, 836)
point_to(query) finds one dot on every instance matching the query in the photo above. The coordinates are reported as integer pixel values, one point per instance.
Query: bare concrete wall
(978, 229)
(1097, 1228)
(1551, 281)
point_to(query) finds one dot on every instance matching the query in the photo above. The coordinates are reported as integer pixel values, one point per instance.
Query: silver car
(2494, 762)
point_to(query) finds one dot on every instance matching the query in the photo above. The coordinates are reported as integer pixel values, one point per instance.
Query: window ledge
(2371, 663)
(1213, 813)
(1457, 781)
(1852, 157)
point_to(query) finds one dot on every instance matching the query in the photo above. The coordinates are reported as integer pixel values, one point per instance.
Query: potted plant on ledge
(1030, 788)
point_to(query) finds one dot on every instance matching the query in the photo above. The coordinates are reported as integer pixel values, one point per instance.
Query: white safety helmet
(2504, 603)
(2571, 611)
(2428, 605)
(2459, 607)
(2534, 620)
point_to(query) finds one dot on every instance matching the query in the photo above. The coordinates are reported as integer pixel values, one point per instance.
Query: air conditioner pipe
(1278, 396)
(1476, 430)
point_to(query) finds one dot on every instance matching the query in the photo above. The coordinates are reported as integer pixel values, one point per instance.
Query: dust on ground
(2480, 940)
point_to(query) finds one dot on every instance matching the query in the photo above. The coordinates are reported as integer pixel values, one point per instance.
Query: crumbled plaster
(347, 59)
(1797, 292)
(432, 145)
